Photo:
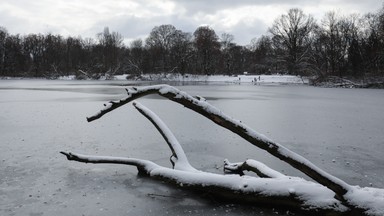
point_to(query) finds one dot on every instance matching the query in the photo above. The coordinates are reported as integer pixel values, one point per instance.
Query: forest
(337, 45)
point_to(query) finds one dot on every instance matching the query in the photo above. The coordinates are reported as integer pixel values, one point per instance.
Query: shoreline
(277, 78)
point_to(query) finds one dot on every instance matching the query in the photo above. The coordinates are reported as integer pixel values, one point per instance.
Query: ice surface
(40, 118)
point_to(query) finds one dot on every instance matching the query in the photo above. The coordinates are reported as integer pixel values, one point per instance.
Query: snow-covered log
(290, 192)
(204, 108)
(332, 195)
(300, 194)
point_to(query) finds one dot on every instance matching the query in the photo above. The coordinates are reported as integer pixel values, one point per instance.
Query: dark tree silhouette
(339, 46)
(292, 37)
(207, 49)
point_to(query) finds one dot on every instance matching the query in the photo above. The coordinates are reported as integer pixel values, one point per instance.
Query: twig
(144, 166)
(257, 167)
(160, 195)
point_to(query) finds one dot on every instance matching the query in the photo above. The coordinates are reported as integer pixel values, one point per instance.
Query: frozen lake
(340, 130)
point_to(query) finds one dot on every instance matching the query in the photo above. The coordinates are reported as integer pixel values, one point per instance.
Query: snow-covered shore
(280, 79)
(265, 79)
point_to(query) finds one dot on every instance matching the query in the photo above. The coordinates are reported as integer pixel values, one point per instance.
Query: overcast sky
(245, 19)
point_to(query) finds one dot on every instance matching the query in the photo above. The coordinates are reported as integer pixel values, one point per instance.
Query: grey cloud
(12, 23)
(128, 26)
(245, 32)
(211, 6)
(132, 27)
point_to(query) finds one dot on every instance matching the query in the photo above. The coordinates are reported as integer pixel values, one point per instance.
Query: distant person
(254, 81)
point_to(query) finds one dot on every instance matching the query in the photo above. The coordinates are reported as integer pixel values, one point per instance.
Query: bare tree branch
(144, 166)
(270, 187)
(290, 192)
(214, 114)
(257, 167)
(181, 162)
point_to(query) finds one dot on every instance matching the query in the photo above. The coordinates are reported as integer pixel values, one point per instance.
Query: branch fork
(327, 194)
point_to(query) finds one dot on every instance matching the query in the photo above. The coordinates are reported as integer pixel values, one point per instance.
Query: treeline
(295, 44)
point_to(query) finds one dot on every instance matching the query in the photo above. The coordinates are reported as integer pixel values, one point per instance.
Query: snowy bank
(255, 79)
(279, 79)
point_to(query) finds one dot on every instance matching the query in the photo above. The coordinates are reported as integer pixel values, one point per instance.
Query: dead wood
(204, 108)
(332, 195)
(257, 167)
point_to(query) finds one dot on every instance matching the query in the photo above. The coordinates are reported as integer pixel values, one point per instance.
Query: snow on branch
(204, 108)
(181, 162)
(257, 167)
(144, 166)
(288, 191)
(331, 196)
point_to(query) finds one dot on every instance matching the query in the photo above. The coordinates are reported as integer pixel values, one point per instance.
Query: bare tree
(3, 36)
(110, 43)
(53, 55)
(373, 42)
(78, 54)
(263, 55)
(333, 47)
(134, 62)
(338, 46)
(292, 36)
(12, 58)
(381, 35)
(227, 57)
(34, 50)
(181, 52)
(336, 35)
(207, 48)
(226, 41)
(159, 43)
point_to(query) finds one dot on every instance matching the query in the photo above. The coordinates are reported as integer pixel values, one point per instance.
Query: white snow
(264, 169)
(367, 198)
(313, 195)
(278, 79)
(69, 77)
(263, 140)
(182, 162)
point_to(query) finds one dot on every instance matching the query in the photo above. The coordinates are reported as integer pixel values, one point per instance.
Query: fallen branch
(204, 108)
(143, 166)
(180, 159)
(290, 192)
(257, 167)
(333, 196)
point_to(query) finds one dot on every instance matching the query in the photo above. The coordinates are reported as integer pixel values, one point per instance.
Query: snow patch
(278, 79)
(367, 198)
(313, 195)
